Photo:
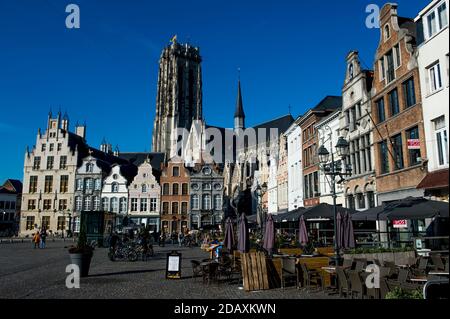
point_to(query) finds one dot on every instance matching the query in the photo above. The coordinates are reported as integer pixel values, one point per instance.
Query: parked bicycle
(123, 252)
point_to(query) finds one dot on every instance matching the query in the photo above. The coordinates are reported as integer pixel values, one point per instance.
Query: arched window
(96, 203)
(105, 204)
(114, 188)
(78, 203)
(195, 202)
(206, 202)
(144, 188)
(87, 203)
(114, 205)
(123, 205)
(174, 208)
(387, 32)
(89, 168)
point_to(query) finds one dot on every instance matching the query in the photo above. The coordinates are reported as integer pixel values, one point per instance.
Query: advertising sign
(173, 265)
(414, 144)
(400, 223)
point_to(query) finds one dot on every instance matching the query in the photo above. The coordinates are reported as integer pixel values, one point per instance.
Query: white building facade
(329, 133)
(115, 193)
(294, 166)
(145, 198)
(433, 60)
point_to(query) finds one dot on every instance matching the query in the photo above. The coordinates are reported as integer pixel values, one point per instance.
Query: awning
(324, 211)
(291, 216)
(435, 180)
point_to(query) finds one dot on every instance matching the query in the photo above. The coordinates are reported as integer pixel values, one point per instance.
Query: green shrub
(399, 293)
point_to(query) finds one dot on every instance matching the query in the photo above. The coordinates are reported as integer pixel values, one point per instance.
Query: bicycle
(122, 252)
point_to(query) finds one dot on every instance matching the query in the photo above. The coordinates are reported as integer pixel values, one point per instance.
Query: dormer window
(387, 32)
(114, 188)
(89, 168)
(144, 188)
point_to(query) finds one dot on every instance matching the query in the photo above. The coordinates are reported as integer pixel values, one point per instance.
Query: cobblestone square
(28, 273)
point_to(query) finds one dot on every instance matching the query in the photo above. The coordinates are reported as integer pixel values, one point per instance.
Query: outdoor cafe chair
(289, 270)
(347, 263)
(403, 275)
(384, 289)
(446, 265)
(421, 269)
(437, 262)
(356, 285)
(210, 272)
(312, 276)
(197, 270)
(360, 264)
(343, 282)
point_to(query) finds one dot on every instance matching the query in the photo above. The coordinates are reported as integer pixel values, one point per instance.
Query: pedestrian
(180, 239)
(43, 237)
(36, 240)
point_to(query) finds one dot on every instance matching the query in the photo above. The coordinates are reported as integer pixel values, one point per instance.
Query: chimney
(80, 130)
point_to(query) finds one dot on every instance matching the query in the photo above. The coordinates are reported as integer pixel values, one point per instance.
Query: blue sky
(105, 73)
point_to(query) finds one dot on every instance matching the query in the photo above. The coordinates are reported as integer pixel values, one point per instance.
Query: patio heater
(334, 169)
(260, 192)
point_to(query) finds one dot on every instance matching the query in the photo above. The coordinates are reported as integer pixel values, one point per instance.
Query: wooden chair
(347, 263)
(312, 276)
(356, 285)
(403, 275)
(343, 282)
(289, 270)
(360, 264)
(421, 268)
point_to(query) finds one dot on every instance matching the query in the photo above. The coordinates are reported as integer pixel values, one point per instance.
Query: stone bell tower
(179, 96)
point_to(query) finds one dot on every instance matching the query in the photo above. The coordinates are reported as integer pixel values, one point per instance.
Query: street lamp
(260, 191)
(334, 169)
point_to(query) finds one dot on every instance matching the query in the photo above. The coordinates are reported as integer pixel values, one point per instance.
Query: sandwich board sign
(173, 265)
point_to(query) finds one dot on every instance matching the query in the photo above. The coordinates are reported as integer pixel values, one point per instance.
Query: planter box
(83, 261)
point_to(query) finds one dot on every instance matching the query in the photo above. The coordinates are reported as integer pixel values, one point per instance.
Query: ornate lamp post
(260, 191)
(334, 169)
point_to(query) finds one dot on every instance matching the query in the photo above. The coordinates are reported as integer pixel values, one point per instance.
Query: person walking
(36, 240)
(180, 239)
(43, 238)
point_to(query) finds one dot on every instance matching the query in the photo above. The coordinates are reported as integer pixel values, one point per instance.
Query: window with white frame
(436, 20)
(143, 205)
(105, 204)
(387, 32)
(441, 141)
(98, 184)
(217, 202)
(76, 224)
(195, 202)
(89, 184)
(123, 205)
(134, 204)
(206, 202)
(144, 188)
(114, 205)
(153, 203)
(96, 203)
(114, 188)
(79, 184)
(87, 203)
(78, 203)
(435, 79)
(398, 59)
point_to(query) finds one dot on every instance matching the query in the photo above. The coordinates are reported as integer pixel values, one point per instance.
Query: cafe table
(419, 279)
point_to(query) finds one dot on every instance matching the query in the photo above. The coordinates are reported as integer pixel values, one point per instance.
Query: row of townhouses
(395, 117)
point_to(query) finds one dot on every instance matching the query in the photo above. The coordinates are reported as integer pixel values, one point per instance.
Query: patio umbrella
(348, 234)
(269, 234)
(229, 235)
(324, 210)
(303, 232)
(412, 208)
(372, 214)
(243, 240)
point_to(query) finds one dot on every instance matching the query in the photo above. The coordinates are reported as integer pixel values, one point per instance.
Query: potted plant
(399, 293)
(82, 253)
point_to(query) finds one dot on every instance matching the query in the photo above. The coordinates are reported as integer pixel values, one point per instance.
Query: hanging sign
(400, 223)
(414, 144)
(173, 265)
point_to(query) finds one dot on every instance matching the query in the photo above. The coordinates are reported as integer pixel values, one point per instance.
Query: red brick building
(397, 110)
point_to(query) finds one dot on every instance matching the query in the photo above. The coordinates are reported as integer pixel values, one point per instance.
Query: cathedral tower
(179, 96)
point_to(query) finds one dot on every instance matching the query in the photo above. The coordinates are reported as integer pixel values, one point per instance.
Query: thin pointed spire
(239, 106)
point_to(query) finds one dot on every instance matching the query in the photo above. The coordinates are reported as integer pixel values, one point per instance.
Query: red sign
(414, 144)
(400, 223)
